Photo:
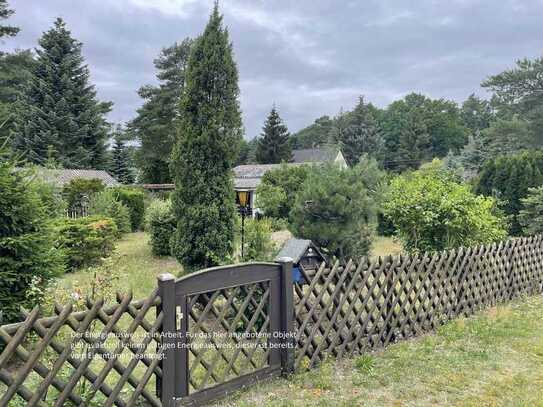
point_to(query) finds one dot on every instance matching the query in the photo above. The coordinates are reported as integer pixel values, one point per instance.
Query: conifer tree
(274, 145)
(206, 147)
(154, 125)
(6, 12)
(59, 111)
(361, 135)
(120, 159)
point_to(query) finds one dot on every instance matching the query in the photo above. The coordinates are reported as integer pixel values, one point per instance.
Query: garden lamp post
(243, 199)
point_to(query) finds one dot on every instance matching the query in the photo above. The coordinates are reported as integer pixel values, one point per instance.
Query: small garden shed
(304, 254)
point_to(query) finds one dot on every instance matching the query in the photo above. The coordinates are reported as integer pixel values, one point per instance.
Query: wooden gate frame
(174, 386)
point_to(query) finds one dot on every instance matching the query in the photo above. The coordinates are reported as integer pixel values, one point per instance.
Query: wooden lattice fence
(339, 309)
(368, 304)
(105, 355)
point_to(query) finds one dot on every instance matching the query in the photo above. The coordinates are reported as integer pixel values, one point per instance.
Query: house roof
(314, 155)
(295, 249)
(253, 171)
(60, 177)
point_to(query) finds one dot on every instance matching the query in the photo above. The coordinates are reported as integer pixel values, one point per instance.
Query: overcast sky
(310, 57)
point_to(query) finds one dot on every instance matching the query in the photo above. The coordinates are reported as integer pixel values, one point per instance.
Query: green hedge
(134, 199)
(160, 222)
(85, 241)
(76, 189)
(106, 205)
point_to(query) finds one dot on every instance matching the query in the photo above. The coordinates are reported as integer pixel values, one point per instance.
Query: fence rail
(340, 309)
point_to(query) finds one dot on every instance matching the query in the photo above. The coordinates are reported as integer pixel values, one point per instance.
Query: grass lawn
(383, 246)
(494, 358)
(136, 267)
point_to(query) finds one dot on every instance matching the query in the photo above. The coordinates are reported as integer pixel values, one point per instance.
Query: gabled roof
(295, 249)
(253, 170)
(315, 155)
(61, 177)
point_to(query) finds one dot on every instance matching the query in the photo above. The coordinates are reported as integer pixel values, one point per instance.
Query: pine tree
(59, 110)
(361, 135)
(6, 12)
(206, 147)
(274, 145)
(154, 125)
(120, 159)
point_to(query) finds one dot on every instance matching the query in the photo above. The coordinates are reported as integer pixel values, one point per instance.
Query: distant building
(304, 254)
(61, 177)
(248, 177)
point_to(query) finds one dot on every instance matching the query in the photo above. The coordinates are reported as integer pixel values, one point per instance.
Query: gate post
(288, 342)
(166, 287)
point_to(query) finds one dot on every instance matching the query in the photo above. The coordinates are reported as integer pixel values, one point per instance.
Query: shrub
(134, 199)
(28, 259)
(105, 204)
(531, 216)
(85, 241)
(160, 222)
(337, 208)
(432, 211)
(79, 188)
(258, 242)
(276, 193)
(508, 178)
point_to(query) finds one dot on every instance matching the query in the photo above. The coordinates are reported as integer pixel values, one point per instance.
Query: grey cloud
(310, 57)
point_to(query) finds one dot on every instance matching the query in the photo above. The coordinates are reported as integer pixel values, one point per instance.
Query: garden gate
(225, 328)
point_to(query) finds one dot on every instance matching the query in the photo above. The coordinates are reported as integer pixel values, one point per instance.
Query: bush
(79, 188)
(337, 208)
(160, 223)
(531, 217)
(432, 211)
(276, 193)
(258, 243)
(28, 259)
(85, 241)
(508, 178)
(105, 204)
(134, 200)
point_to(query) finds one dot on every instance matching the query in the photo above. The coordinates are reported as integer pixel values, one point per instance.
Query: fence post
(288, 342)
(166, 286)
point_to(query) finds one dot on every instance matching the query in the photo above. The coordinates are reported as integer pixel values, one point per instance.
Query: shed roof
(294, 248)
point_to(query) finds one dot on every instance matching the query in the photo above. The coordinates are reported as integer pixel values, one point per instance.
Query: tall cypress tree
(274, 145)
(154, 125)
(59, 111)
(207, 143)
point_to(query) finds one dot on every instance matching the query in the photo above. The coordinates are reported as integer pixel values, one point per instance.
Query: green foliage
(337, 208)
(107, 204)
(520, 91)
(432, 211)
(417, 129)
(59, 112)
(28, 260)
(120, 158)
(160, 223)
(207, 145)
(361, 134)
(531, 216)
(79, 189)
(53, 203)
(15, 71)
(134, 200)
(508, 178)
(365, 364)
(258, 242)
(476, 114)
(276, 193)
(85, 241)
(506, 136)
(314, 135)
(6, 12)
(154, 125)
(274, 146)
